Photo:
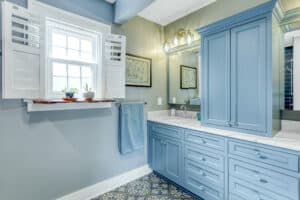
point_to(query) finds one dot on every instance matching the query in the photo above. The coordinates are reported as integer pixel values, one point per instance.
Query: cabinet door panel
(157, 154)
(215, 79)
(248, 72)
(173, 161)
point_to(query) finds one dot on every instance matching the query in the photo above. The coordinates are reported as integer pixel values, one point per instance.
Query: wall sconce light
(181, 37)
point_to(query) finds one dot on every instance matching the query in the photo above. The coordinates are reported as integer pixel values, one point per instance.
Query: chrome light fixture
(181, 37)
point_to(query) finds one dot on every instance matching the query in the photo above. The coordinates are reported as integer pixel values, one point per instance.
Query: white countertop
(288, 138)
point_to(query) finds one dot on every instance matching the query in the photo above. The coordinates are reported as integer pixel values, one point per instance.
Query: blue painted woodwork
(265, 178)
(248, 75)
(215, 97)
(127, 9)
(220, 168)
(264, 155)
(165, 153)
(239, 88)
(204, 140)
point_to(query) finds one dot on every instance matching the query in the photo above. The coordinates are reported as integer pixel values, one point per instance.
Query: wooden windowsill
(53, 105)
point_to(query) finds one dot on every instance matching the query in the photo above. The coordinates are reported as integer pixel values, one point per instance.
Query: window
(72, 58)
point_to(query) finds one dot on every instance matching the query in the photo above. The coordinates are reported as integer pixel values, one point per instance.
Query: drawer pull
(259, 155)
(203, 159)
(201, 188)
(263, 181)
(202, 173)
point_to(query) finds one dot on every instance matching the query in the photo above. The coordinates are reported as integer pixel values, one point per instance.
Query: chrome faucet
(184, 108)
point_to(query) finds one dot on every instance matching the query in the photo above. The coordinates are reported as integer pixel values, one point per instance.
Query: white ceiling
(164, 12)
(289, 38)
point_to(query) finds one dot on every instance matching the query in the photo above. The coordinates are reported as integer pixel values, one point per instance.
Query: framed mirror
(183, 76)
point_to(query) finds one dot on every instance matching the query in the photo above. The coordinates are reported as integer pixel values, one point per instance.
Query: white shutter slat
(115, 66)
(21, 55)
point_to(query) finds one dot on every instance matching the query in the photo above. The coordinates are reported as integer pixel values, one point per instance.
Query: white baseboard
(107, 185)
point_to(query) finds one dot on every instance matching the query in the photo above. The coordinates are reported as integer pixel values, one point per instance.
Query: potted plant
(69, 93)
(88, 94)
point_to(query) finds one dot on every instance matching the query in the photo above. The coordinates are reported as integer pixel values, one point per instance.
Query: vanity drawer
(248, 191)
(204, 174)
(265, 155)
(168, 131)
(205, 140)
(204, 157)
(202, 189)
(265, 178)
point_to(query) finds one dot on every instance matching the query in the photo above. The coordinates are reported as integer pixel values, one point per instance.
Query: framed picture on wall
(138, 71)
(188, 77)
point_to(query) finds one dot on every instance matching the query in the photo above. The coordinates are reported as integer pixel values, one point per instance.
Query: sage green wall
(211, 13)
(145, 38)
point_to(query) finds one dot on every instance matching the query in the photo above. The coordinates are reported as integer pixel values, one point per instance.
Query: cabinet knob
(263, 180)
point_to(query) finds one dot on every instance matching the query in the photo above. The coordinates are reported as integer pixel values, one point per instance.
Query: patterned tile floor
(149, 187)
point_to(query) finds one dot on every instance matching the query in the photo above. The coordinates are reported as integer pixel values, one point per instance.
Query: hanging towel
(131, 127)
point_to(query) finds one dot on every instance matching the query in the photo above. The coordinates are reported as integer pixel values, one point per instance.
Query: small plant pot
(69, 95)
(89, 96)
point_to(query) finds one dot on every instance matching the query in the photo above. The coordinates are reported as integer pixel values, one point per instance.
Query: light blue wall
(99, 10)
(127, 9)
(46, 155)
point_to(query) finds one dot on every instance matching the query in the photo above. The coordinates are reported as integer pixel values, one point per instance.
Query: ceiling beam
(126, 9)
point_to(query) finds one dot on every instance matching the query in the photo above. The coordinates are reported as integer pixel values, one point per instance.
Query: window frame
(68, 29)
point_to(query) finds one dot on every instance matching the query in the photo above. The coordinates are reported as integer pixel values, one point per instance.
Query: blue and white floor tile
(149, 187)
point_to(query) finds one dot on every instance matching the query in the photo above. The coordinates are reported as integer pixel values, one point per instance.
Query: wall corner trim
(108, 184)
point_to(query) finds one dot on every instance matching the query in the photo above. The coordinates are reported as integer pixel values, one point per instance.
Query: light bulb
(189, 38)
(166, 47)
(175, 41)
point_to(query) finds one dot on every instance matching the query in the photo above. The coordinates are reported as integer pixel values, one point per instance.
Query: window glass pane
(74, 83)
(59, 40)
(73, 54)
(86, 45)
(74, 71)
(58, 52)
(87, 81)
(73, 43)
(59, 69)
(86, 55)
(59, 83)
(86, 71)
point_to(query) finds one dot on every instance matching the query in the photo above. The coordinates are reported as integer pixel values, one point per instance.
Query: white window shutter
(21, 53)
(115, 66)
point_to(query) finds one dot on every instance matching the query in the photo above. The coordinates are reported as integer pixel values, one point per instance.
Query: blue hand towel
(131, 127)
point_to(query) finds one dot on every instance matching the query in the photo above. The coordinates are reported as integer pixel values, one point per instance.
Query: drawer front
(205, 140)
(249, 191)
(235, 197)
(205, 158)
(202, 189)
(268, 179)
(265, 155)
(204, 174)
(168, 131)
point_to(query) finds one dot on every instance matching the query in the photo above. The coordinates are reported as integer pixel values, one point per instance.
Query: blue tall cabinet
(240, 71)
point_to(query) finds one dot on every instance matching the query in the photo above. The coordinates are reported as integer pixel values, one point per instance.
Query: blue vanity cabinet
(240, 84)
(215, 97)
(165, 152)
(248, 76)
(222, 168)
(262, 172)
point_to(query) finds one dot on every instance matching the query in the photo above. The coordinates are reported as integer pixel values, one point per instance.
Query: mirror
(183, 76)
(291, 71)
